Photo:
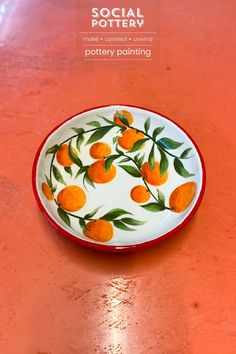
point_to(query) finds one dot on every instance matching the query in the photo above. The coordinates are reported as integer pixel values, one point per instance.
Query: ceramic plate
(118, 177)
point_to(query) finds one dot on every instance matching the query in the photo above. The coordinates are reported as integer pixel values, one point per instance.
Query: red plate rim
(104, 247)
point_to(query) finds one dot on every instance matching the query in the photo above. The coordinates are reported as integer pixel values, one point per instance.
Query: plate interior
(116, 193)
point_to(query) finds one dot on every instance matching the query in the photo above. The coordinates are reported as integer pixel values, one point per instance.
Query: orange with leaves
(129, 137)
(153, 176)
(63, 157)
(126, 114)
(100, 150)
(98, 174)
(99, 230)
(71, 198)
(47, 191)
(140, 194)
(182, 196)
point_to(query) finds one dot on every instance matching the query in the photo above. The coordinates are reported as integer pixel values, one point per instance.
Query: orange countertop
(59, 298)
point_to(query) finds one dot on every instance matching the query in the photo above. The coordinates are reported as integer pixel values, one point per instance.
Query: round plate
(118, 177)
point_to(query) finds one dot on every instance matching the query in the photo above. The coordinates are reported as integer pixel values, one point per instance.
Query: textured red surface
(59, 298)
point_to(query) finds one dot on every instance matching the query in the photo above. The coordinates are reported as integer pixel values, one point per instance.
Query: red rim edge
(104, 247)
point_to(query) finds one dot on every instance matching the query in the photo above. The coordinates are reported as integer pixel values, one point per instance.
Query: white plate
(115, 194)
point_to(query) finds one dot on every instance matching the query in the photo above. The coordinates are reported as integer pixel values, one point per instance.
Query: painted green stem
(155, 142)
(73, 215)
(72, 137)
(124, 155)
(148, 188)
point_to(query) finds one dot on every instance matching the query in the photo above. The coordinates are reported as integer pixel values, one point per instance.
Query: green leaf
(48, 181)
(136, 157)
(131, 221)
(57, 175)
(140, 161)
(78, 130)
(157, 131)
(98, 134)
(114, 213)
(179, 168)
(88, 180)
(68, 170)
(81, 170)
(53, 188)
(90, 215)
(109, 161)
(52, 150)
(161, 197)
(115, 139)
(126, 159)
(122, 129)
(119, 151)
(82, 223)
(106, 120)
(168, 143)
(120, 225)
(63, 215)
(138, 145)
(164, 162)
(94, 124)
(133, 171)
(79, 141)
(122, 118)
(151, 157)
(154, 207)
(147, 125)
(74, 157)
(185, 153)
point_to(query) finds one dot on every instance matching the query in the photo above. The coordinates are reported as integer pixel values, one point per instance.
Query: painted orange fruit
(140, 194)
(182, 196)
(99, 230)
(152, 176)
(127, 115)
(47, 191)
(71, 198)
(98, 174)
(100, 150)
(129, 138)
(63, 157)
